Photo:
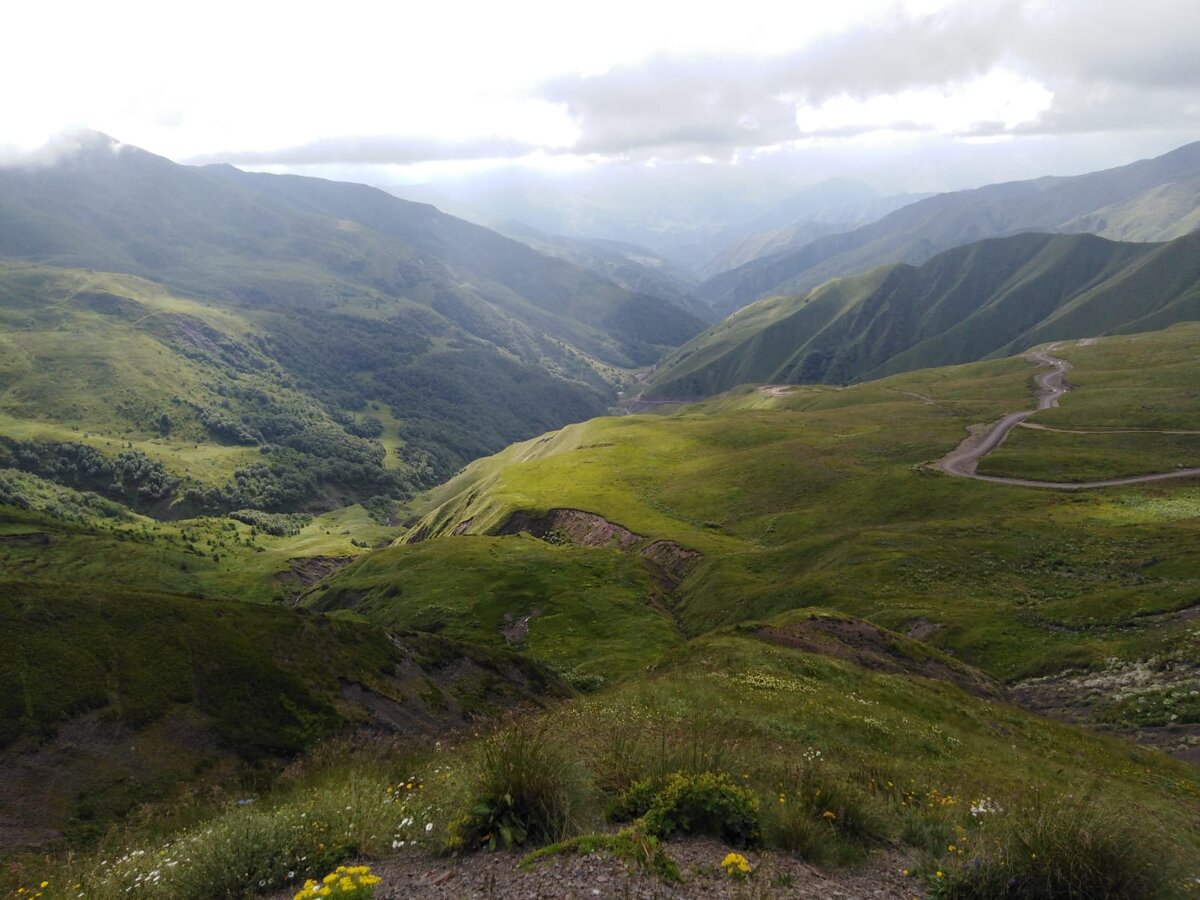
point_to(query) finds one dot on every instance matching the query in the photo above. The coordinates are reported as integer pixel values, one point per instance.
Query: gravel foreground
(418, 876)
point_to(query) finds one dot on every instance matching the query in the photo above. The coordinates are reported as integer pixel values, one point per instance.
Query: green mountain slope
(293, 242)
(817, 496)
(233, 407)
(112, 698)
(335, 298)
(771, 585)
(1147, 200)
(833, 591)
(991, 298)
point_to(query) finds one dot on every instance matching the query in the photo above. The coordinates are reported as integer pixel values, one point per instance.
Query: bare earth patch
(422, 876)
(669, 561)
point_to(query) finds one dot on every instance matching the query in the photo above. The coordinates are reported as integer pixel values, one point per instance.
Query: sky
(913, 94)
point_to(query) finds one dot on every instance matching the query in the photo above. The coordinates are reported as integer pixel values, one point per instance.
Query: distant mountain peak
(82, 142)
(83, 147)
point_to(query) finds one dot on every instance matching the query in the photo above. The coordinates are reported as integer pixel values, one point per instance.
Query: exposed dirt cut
(669, 562)
(572, 526)
(305, 571)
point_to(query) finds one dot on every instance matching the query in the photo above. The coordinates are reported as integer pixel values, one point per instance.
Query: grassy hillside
(819, 496)
(244, 408)
(334, 301)
(590, 614)
(100, 373)
(1151, 199)
(987, 299)
(770, 591)
(59, 536)
(1133, 409)
(819, 750)
(112, 698)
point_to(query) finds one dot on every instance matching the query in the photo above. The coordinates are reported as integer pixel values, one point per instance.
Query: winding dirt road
(962, 461)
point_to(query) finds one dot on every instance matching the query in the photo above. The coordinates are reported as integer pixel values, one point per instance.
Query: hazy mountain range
(339, 293)
(1147, 200)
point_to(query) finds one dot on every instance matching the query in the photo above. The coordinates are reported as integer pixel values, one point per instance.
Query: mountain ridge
(987, 299)
(916, 232)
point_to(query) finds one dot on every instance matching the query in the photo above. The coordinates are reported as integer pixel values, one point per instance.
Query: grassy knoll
(1055, 456)
(1134, 381)
(1142, 382)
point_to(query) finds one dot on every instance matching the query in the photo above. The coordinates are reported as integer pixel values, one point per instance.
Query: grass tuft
(530, 790)
(629, 844)
(1058, 848)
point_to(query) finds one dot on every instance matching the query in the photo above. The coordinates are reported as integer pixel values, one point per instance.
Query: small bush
(530, 791)
(822, 817)
(635, 802)
(790, 827)
(1059, 849)
(708, 803)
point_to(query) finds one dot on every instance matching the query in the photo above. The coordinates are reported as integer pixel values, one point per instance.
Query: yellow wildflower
(736, 865)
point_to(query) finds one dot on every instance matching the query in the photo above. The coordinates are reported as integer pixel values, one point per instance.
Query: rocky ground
(421, 876)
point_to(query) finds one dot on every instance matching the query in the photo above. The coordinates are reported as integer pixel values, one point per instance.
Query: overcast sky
(419, 91)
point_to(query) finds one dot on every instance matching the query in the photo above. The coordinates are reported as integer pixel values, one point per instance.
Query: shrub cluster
(696, 803)
(278, 524)
(131, 477)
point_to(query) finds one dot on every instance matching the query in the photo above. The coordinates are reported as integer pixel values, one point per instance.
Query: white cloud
(627, 79)
(1000, 98)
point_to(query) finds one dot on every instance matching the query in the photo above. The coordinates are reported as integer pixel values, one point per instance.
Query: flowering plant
(736, 865)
